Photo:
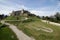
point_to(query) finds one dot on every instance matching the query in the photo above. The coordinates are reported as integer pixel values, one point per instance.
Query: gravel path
(20, 35)
(44, 29)
(57, 24)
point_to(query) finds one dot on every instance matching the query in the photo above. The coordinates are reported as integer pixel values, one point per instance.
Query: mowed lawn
(31, 29)
(7, 34)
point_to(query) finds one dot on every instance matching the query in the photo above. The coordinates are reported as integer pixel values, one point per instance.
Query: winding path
(20, 35)
(57, 24)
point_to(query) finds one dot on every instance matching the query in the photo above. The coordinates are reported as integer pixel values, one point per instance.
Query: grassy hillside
(6, 33)
(33, 28)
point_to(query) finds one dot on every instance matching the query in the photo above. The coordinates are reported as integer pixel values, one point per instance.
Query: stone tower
(22, 11)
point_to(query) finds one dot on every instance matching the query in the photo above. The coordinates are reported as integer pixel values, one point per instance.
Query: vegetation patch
(6, 33)
(34, 27)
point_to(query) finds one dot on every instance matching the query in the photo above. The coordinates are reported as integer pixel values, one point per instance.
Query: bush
(28, 20)
(3, 25)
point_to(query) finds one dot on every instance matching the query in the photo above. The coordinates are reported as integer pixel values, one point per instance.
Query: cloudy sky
(38, 7)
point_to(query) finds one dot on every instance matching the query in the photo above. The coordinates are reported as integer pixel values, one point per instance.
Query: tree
(43, 17)
(2, 16)
(38, 17)
(47, 18)
(57, 15)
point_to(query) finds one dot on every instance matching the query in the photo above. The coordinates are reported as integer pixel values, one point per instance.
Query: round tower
(22, 11)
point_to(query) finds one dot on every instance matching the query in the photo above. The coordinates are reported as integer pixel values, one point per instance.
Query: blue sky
(38, 7)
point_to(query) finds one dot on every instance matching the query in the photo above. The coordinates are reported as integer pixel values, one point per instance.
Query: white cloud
(43, 11)
(6, 9)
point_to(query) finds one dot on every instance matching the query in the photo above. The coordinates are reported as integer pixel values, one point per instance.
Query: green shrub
(28, 20)
(3, 25)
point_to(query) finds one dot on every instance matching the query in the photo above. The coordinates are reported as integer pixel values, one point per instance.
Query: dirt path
(20, 35)
(57, 24)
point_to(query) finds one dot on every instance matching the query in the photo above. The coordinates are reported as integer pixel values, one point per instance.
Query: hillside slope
(6, 33)
(34, 27)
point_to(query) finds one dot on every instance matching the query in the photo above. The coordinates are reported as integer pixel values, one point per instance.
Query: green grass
(28, 28)
(10, 18)
(7, 34)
